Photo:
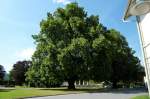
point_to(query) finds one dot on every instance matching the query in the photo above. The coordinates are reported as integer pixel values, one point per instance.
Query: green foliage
(73, 46)
(125, 66)
(73, 59)
(45, 70)
(101, 67)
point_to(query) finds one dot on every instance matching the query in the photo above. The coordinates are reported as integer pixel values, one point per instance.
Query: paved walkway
(125, 94)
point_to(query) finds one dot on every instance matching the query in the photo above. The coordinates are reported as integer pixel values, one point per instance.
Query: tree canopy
(74, 46)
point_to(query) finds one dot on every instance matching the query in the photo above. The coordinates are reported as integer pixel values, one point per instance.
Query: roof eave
(127, 14)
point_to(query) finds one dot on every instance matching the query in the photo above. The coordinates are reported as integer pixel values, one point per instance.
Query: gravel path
(125, 94)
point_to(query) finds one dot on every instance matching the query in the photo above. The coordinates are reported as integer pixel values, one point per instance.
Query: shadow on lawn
(129, 91)
(6, 90)
(115, 91)
(76, 90)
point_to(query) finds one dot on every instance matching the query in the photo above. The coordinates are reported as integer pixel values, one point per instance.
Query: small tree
(19, 70)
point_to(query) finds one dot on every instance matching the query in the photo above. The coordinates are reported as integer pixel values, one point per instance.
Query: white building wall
(145, 27)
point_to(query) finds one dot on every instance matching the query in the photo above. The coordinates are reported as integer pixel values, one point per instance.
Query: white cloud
(62, 1)
(26, 53)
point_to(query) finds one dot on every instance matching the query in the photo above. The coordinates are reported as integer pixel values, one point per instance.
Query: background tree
(19, 70)
(125, 65)
(2, 73)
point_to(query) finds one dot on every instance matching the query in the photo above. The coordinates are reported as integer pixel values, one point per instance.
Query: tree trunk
(71, 84)
(114, 85)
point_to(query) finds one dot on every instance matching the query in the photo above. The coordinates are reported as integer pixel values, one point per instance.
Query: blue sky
(19, 19)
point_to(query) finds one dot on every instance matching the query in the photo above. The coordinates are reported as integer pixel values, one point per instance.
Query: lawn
(141, 97)
(31, 92)
(22, 93)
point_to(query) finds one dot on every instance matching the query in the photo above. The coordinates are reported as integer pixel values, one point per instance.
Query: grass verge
(141, 97)
(34, 92)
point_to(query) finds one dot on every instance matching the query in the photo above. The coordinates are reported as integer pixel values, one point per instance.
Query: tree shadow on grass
(129, 91)
(114, 91)
(6, 90)
(88, 90)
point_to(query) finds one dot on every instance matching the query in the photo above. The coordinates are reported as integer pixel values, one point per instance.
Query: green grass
(141, 97)
(32, 92)
(22, 93)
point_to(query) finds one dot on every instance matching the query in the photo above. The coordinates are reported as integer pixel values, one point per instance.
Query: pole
(143, 52)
